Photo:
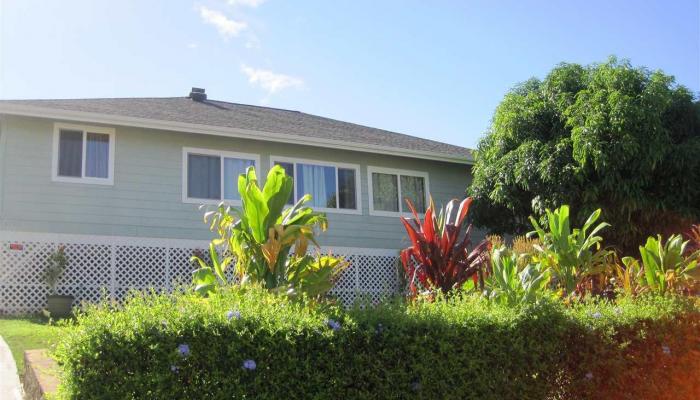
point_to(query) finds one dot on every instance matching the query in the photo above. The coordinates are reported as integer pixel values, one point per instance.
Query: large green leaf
(204, 280)
(254, 205)
(278, 189)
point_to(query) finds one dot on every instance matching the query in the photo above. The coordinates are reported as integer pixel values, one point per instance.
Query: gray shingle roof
(255, 118)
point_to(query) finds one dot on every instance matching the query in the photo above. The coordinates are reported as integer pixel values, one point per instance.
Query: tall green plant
(665, 266)
(260, 235)
(570, 254)
(508, 284)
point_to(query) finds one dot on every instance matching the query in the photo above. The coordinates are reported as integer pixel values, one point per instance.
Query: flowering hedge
(247, 343)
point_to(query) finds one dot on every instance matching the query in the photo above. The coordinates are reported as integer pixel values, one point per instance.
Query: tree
(609, 136)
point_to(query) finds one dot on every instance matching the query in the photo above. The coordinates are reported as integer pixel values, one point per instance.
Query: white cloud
(246, 3)
(192, 45)
(226, 27)
(270, 81)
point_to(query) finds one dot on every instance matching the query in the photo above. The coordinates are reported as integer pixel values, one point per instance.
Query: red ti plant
(694, 236)
(440, 256)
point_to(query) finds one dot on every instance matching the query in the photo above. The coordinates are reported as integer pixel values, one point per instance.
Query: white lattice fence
(102, 266)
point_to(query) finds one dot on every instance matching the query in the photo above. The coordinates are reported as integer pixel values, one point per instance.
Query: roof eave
(111, 119)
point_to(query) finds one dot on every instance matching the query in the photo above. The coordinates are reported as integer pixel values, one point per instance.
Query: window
(333, 187)
(83, 154)
(211, 176)
(389, 189)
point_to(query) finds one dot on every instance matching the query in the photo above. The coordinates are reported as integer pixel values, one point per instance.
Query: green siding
(3, 147)
(146, 199)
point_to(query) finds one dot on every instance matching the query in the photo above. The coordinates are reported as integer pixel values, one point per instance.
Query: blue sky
(431, 69)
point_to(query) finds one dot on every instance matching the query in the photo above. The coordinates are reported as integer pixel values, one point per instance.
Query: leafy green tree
(609, 136)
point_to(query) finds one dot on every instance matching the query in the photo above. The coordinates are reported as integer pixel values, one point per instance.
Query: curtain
(70, 153)
(385, 192)
(413, 188)
(346, 186)
(203, 177)
(319, 182)
(97, 155)
(233, 167)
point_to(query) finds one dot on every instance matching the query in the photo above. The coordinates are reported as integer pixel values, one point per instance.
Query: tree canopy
(609, 135)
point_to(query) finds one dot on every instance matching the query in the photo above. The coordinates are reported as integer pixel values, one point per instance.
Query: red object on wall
(16, 246)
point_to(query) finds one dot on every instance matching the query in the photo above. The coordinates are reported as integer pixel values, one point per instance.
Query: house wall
(146, 198)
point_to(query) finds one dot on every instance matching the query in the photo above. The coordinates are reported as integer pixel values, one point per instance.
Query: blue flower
(249, 365)
(175, 369)
(589, 375)
(380, 329)
(233, 314)
(184, 350)
(416, 386)
(597, 315)
(335, 325)
(666, 349)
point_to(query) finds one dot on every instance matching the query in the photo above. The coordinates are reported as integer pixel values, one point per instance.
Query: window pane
(289, 170)
(203, 177)
(413, 188)
(319, 182)
(346, 187)
(70, 153)
(385, 192)
(97, 155)
(233, 167)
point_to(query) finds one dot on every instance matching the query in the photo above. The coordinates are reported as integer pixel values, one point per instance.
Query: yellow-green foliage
(461, 347)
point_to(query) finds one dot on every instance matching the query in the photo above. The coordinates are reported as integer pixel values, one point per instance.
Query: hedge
(246, 343)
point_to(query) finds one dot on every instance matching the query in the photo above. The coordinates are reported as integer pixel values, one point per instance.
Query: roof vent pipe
(198, 94)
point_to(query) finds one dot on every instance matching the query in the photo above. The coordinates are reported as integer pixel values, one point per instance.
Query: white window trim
(221, 154)
(358, 181)
(402, 204)
(109, 180)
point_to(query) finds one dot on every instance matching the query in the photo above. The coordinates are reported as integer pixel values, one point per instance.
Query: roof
(232, 119)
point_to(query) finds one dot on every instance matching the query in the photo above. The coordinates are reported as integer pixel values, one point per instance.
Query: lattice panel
(89, 265)
(180, 266)
(368, 278)
(100, 268)
(141, 267)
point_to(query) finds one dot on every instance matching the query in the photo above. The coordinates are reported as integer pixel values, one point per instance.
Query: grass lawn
(27, 333)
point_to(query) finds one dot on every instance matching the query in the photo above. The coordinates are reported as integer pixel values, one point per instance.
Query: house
(119, 183)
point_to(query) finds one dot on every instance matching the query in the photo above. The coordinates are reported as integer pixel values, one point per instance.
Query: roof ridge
(252, 105)
(101, 98)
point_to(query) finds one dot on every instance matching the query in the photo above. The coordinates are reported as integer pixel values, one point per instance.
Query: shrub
(509, 284)
(571, 255)
(244, 342)
(665, 266)
(55, 268)
(440, 256)
(259, 238)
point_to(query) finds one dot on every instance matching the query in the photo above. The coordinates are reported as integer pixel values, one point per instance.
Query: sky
(433, 69)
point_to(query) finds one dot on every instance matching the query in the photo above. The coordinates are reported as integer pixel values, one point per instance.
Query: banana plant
(571, 254)
(510, 285)
(665, 265)
(265, 242)
(440, 256)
